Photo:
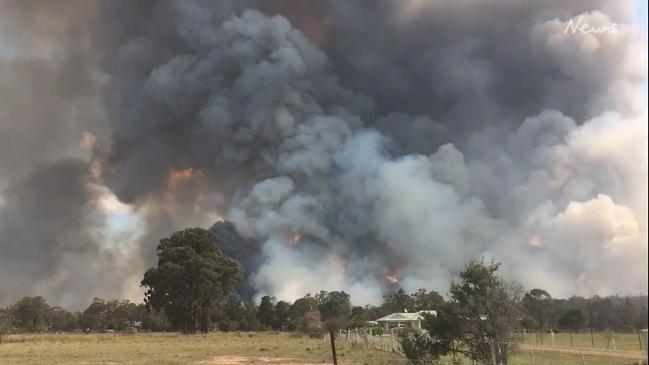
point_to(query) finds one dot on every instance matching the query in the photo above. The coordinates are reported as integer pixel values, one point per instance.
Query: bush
(416, 346)
(420, 348)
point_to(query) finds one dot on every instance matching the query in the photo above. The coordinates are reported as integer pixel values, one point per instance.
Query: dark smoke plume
(362, 145)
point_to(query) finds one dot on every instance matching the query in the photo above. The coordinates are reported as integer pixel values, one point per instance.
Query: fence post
(552, 336)
(592, 338)
(581, 353)
(639, 340)
(532, 353)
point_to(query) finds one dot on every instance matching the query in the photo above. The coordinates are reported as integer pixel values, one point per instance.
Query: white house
(400, 319)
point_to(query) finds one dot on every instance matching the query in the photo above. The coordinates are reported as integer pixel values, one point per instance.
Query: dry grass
(623, 341)
(213, 349)
(149, 349)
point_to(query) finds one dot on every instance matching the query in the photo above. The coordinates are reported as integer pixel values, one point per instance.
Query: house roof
(405, 317)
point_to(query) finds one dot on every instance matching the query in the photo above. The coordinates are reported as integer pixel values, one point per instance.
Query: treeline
(539, 312)
(34, 314)
(191, 289)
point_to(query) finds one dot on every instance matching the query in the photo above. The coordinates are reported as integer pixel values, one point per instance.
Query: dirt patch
(256, 360)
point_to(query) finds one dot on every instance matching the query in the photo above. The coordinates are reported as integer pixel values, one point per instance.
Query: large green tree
(425, 300)
(398, 301)
(538, 304)
(282, 315)
(192, 274)
(479, 321)
(334, 310)
(265, 313)
(30, 314)
(488, 310)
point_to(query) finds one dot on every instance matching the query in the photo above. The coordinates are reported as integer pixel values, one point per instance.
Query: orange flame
(536, 241)
(394, 276)
(178, 178)
(392, 279)
(295, 239)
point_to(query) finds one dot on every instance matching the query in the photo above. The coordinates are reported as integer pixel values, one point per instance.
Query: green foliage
(282, 315)
(358, 317)
(424, 300)
(482, 314)
(112, 314)
(574, 319)
(155, 321)
(265, 313)
(6, 318)
(528, 322)
(421, 348)
(30, 314)
(233, 315)
(192, 274)
(302, 314)
(334, 309)
(398, 301)
(538, 305)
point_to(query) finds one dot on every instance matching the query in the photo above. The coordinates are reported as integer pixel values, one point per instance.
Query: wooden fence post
(581, 353)
(532, 353)
(639, 340)
(552, 337)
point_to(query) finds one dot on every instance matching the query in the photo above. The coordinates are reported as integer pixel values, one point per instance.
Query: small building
(402, 319)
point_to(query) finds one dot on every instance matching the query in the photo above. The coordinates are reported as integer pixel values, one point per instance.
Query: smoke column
(360, 146)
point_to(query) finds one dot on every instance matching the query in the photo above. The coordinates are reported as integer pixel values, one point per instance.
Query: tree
(483, 315)
(94, 317)
(282, 314)
(265, 312)
(358, 317)
(574, 319)
(538, 304)
(334, 310)
(192, 274)
(442, 330)
(29, 313)
(304, 312)
(423, 300)
(58, 319)
(398, 301)
(418, 347)
(5, 321)
(489, 308)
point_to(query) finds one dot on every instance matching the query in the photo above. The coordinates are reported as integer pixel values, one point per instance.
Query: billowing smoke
(363, 145)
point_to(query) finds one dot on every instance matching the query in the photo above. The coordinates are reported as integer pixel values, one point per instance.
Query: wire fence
(523, 351)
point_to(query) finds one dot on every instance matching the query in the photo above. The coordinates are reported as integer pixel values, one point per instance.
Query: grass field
(219, 349)
(623, 341)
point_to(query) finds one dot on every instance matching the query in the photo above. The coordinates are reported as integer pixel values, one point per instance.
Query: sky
(356, 146)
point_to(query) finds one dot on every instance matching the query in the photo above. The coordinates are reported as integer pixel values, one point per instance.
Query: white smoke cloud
(371, 146)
